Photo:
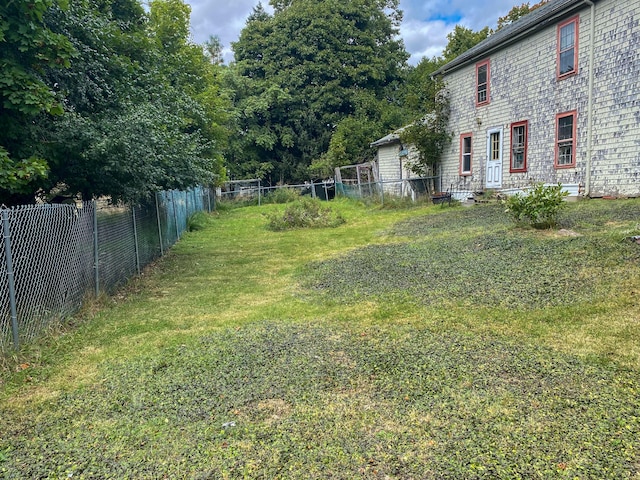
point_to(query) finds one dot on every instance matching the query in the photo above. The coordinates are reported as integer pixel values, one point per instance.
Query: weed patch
(455, 259)
(510, 270)
(198, 221)
(305, 213)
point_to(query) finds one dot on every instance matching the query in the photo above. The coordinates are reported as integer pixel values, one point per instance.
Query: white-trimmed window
(566, 139)
(465, 153)
(567, 48)
(483, 75)
(519, 132)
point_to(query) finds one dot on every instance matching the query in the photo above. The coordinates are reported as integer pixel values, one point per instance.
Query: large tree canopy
(140, 107)
(27, 47)
(304, 70)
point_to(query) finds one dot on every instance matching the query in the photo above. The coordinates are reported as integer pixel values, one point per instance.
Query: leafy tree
(27, 47)
(144, 110)
(430, 135)
(462, 39)
(213, 48)
(307, 68)
(420, 89)
(516, 12)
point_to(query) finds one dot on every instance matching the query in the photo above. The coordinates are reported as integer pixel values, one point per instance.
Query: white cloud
(424, 39)
(424, 28)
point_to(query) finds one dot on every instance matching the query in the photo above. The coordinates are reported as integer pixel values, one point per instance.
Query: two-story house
(553, 97)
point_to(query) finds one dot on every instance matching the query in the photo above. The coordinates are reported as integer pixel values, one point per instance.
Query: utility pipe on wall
(587, 185)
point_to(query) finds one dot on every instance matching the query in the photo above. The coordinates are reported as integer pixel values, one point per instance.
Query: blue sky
(424, 28)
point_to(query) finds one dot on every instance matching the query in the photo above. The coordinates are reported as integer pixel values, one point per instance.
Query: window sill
(559, 78)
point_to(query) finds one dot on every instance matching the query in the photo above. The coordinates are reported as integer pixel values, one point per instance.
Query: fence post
(10, 278)
(135, 237)
(159, 225)
(96, 253)
(175, 214)
(259, 192)
(208, 190)
(381, 183)
(326, 192)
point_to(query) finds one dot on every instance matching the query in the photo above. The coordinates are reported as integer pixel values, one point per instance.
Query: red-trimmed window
(568, 48)
(465, 153)
(519, 133)
(483, 75)
(566, 139)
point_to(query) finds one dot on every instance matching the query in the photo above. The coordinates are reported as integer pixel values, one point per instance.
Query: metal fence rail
(54, 257)
(413, 188)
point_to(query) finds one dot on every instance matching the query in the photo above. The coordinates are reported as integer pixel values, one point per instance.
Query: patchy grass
(397, 357)
(510, 269)
(315, 401)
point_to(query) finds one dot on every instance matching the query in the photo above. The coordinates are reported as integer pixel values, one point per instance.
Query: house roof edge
(523, 27)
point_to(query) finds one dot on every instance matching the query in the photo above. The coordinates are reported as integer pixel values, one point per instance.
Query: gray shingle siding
(524, 87)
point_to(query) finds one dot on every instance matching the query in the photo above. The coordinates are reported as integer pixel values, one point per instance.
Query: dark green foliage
(430, 136)
(420, 89)
(305, 213)
(539, 207)
(322, 400)
(27, 48)
(304, 71)
(142, 104)
(516, 12)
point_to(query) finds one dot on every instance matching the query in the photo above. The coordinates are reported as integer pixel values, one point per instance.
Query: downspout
(587, 184)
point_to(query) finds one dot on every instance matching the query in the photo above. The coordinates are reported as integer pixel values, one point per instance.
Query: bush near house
(539, 207)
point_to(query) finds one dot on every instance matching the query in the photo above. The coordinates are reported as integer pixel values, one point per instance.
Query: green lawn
(411, 344)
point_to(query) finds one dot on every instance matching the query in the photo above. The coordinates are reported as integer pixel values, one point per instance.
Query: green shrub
(198, 221)
(282, 195)
(539, 207)
(305, 213)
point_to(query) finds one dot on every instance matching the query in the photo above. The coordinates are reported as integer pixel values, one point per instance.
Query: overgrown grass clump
(198, 221)
(305, 213)
(282, 195)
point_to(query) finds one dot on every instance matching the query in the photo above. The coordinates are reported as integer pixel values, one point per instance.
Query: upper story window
(519, 147)
(568, 47)
(465, 153)
(483, 75)
(566, 140)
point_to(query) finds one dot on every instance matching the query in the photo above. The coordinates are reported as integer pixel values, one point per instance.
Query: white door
(494, 158)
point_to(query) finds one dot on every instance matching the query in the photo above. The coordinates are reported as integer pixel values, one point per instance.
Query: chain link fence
(381, 190)
(54, 257)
